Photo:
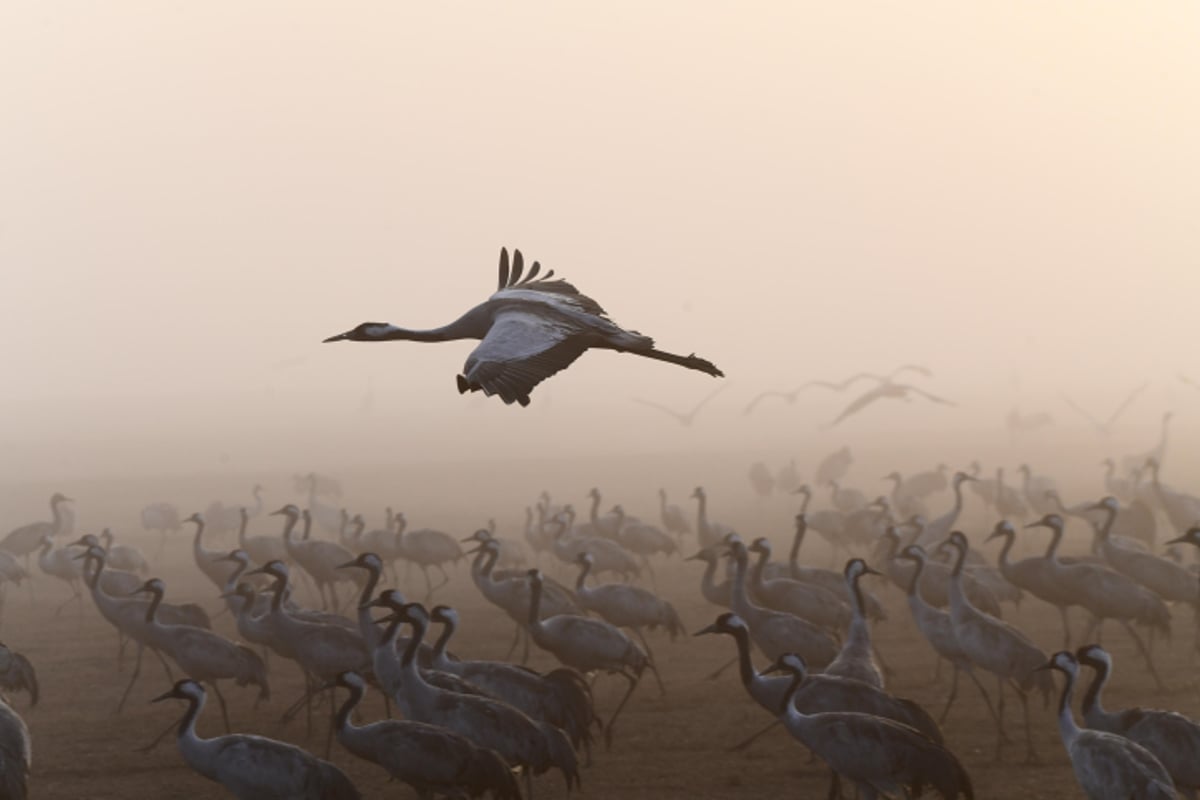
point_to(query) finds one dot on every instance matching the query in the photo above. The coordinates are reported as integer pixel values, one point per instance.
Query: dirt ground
(672, 746)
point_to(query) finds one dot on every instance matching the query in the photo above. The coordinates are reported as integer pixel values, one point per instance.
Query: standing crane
(588, 645)
(430, 759)
(630, 607)
(203, 655)
(1172, 738)
(938, 629)
(855, 659)
(320, 559)
(1034, 575)
(996, 647)
(673, 519)
(254, 767)
(708, 534)
(1106, 765)
(877, 754)
(530, 329)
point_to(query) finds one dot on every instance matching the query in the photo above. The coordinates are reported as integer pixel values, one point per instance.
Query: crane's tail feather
(691, 361)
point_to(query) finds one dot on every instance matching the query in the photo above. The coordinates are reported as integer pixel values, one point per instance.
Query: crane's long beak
(710, 629)
(338, 338)
(164, 696)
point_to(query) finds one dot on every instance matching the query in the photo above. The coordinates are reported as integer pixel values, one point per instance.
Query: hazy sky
(193, 195)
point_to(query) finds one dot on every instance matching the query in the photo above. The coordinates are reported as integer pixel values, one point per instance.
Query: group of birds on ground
(468, 727)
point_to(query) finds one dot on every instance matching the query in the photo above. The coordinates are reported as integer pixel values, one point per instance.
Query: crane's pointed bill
(336, 338)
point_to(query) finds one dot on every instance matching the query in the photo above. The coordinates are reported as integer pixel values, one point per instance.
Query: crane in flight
(684, 418)
(884, 390)
(530, 328)
(1105, 427)
(838, 386)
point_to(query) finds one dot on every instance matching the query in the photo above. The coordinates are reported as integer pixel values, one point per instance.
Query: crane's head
(856, 568)
(698, 492)
(243, 590)
(893, 476)
(914, 552)
(367, 561)
(725, 623)
(1094, 656)
(275, 568)
(186, 689)
(59, 497)
(197, 518)
(1003, 528)
(1063, 661)
(1051, 521)
(1109, 504)
(1191, 536)
(791, 663)
(585, 559)
(444, 615)
(152, 586)
(366, 332)
(480, 536)
(289, 510)
(352, 680)
(707, 555)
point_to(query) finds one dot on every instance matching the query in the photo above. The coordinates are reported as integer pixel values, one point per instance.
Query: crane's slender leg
(137, 670)
(1031, 756)
(662, 690)
(953, 694)
(1141, 646)
(742, 745)
(428, 583)
(633, 682)
(986, 699)
(157, 739)
(1001, 736)
(224, 710)
(74, 596)
(165, 665)
(513, 648)
(329, 733)
(713, 676)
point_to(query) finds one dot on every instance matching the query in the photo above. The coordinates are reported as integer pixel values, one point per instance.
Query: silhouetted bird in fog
(530, 329)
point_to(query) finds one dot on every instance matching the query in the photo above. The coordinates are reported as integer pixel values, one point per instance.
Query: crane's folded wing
(519, 352)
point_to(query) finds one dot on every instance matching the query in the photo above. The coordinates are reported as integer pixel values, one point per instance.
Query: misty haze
(938, 262)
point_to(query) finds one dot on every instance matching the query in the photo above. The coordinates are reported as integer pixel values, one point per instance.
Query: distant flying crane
(837, 386)
(884, 390)
(684, 418)
(529, 329)
(1105, 427)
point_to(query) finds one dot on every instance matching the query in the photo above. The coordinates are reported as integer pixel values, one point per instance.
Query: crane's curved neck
(187, 726)
(409, 661)
(279, 590)
(1056, 534)
(797, 540)
(741, 601)
(535, 603)
(959, 558)
(918, 568)
(857, 597)
(580, 583)
(197, 543)
(708, 584)
(289, 524)
(1105, 530)
(369, 587)
(702, 511)
(594, 514)
(1066, 720)
(760, 566)
(1005, 566)
(472, 325)
(807, 495)
(342, 721)
(242, 529)
(152, 609)
(1091, 698)
(788, 711)
(746, 668)
(490, 555)
(58, 516)
(443, 640)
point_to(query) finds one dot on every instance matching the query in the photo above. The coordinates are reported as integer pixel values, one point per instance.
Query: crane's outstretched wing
(520, 351)
(709, 397)
(917, 368)
(1128, 400)
(858, 405)
(683, 418)
(511, 280)
(1075, 407)
(753, 404)
(940, 400)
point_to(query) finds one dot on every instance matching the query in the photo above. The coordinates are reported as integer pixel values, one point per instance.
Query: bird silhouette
(886, 389)
(1105, 427)
(685, 418)
(530, 328)
(837, 386)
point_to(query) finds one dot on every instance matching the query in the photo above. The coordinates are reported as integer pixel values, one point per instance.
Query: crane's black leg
(662, 690)
(608, 729)
(988, 701)
(224, 710)
(137, 670)
(742, 745)
(1031, 756)
(1162, 687)
(953, 694)
(714, 675)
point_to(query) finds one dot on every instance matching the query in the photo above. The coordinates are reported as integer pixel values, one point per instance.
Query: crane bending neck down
(530, 328)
